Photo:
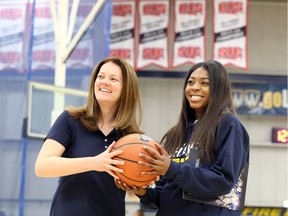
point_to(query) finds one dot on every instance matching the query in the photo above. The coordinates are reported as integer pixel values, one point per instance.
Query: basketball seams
(132, 161)
(133, 143)
(134, 180)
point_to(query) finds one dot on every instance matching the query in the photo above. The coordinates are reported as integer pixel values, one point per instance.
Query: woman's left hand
(159, 162)
(140, 191)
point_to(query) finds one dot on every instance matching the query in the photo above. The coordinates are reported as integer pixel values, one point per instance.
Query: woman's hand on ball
(159, 162)
(104, 162)
(139, 191)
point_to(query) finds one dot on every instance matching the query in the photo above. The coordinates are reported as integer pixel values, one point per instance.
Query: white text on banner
(153, 31)
(230, 32)
(12, 36)
(189, 32)
(122, 30)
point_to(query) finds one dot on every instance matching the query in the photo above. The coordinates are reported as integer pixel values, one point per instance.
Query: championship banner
(260, 98)
(13, 17)
(189, 32)
(230, 32)
(82, 56)
(153, 31)
(122, 28)
(43, 45)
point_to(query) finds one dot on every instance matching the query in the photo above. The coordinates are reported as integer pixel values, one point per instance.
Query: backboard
(41, 112)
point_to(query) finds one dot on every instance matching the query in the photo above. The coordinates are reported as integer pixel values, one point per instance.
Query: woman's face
(108, 84)
(197, 91)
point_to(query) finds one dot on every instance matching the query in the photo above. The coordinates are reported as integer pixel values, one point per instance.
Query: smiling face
(108, 84)
(197, 91)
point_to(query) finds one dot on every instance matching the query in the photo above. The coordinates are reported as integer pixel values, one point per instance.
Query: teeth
(196, 97)
(104, 90)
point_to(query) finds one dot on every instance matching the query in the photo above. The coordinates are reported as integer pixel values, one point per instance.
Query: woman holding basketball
(204, 159)
(77, 148)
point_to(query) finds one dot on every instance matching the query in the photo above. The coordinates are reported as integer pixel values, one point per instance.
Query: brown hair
(130, 103)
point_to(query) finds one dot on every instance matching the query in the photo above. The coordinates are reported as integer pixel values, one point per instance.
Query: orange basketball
(132, 145)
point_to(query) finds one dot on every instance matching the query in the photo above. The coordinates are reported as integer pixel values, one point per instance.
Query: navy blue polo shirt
(89, 193)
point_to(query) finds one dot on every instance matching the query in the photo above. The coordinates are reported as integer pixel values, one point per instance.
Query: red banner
(153, 31)
(82, 55)
(43, 38)
(230, 32)
(44, 46)
(12, 31)
(189, 32)
(122, 30)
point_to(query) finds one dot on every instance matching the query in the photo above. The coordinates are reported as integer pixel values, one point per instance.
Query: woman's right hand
(50, 162)
(104, 162)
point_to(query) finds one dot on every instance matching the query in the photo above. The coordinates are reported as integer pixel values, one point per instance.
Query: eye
(100, 76)
(205, 83)
(190, 82)
(115, 79)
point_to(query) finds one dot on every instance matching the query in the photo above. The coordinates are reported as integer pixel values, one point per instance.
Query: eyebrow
(103, 72)
(200, 77)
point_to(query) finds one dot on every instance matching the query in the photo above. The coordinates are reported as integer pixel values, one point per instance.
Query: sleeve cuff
(172, 170)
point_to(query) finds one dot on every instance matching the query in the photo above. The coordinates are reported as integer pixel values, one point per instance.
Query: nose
(105, 81)
(196, 86)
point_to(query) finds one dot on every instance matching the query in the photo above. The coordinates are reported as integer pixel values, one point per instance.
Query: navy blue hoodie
(209, 189)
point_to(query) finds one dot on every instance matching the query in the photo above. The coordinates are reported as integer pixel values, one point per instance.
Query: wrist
(141, 192)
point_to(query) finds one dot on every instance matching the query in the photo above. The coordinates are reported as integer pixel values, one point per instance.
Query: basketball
(132, 145)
